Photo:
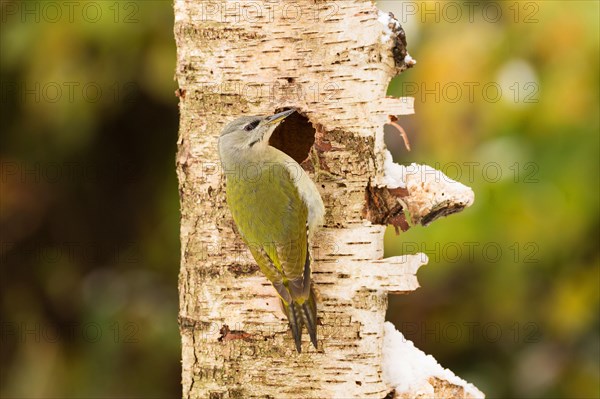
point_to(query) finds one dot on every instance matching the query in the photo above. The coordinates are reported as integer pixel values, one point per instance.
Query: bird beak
(275, 119)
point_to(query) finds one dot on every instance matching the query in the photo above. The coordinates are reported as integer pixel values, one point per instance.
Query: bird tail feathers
(302, 314)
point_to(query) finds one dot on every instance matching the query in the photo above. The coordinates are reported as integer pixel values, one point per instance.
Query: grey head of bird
(246, 135)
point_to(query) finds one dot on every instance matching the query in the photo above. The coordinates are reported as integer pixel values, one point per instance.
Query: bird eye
(251, 125)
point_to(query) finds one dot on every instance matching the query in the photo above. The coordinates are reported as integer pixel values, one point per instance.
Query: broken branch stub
(423, 192)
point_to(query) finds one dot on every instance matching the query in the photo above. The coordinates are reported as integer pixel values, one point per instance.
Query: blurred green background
(506, 97)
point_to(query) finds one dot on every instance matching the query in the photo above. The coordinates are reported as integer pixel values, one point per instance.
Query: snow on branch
(413, 374)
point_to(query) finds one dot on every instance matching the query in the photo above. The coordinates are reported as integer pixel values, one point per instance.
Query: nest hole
(294, 136)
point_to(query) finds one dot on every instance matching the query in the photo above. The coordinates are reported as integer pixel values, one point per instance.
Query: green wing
(272, 219)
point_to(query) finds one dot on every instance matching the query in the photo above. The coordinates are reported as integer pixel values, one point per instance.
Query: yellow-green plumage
(273, 205)
(272, 220)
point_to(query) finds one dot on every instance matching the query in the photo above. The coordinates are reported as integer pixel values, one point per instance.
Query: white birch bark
(332, 61)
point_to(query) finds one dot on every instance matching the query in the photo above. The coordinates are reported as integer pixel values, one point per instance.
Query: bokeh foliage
(89, 202)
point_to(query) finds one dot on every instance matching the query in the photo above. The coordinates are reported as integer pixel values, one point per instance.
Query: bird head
(247, 134)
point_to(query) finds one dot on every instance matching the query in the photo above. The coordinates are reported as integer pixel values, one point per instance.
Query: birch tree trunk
(333, 61)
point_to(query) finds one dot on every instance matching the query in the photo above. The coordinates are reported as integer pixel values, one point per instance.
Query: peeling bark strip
(333, 61)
